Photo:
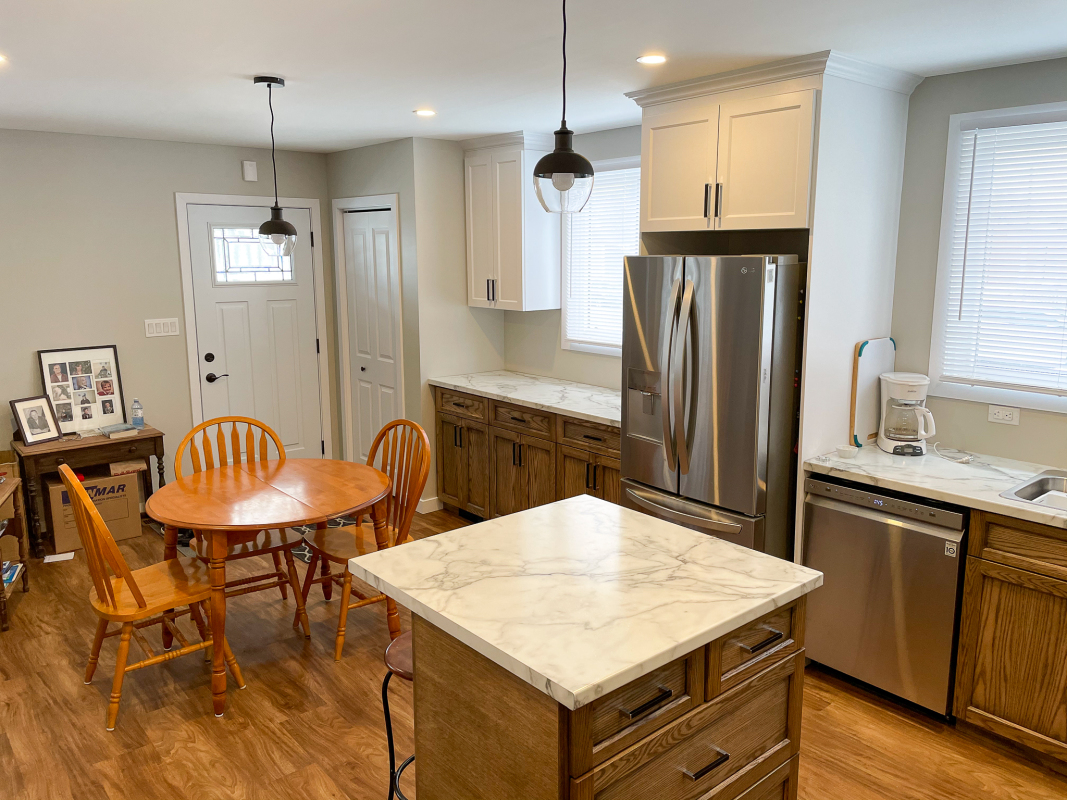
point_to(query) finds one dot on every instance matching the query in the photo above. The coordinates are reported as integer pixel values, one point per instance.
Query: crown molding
(524, 139)
(826, 62)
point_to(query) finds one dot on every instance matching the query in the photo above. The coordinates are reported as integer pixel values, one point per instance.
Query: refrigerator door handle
(683, 518)
(677, 373)
(669, 446)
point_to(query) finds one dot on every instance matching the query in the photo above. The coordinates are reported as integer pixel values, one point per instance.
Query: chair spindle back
(257, 438)
(405, 458)
(100, 549)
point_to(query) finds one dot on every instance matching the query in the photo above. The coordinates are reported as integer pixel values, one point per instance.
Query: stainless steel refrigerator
(710, 359)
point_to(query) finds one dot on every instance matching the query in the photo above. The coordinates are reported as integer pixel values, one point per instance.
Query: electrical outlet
(1005, 415)
(161, 327)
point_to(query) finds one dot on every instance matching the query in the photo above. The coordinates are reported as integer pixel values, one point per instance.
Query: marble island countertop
(581, 596)
(975, 485)
(580, 400)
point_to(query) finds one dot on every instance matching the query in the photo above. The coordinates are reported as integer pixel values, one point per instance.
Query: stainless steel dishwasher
(888, 608)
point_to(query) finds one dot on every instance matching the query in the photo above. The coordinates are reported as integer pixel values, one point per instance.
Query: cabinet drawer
(526, 420)
(754, 647)
(465, 405)
(589, 435)
(102, 454)
(720, 749)
(617, 720)
(1020, 544)
(779, 785)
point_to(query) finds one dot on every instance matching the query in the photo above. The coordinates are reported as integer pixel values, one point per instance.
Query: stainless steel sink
(1048, 488)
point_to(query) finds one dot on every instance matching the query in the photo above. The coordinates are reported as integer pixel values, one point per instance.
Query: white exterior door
(255, 324)
(372, 295)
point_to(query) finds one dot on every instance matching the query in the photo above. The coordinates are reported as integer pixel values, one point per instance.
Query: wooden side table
(41, 459)
(16, 527)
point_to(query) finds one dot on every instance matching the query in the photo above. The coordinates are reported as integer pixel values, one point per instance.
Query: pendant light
(564, 179)
(276, 236)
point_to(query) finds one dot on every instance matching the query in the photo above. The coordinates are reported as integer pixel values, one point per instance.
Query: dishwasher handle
(885, 518)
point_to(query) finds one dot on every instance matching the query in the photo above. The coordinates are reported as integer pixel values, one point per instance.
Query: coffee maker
(906, 421)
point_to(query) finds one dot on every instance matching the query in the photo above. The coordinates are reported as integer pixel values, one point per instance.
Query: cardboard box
(117, 498)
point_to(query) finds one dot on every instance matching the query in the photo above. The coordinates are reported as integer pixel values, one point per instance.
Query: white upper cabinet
(715, 162)
(678, 165)
(513, 244)
(764, 172)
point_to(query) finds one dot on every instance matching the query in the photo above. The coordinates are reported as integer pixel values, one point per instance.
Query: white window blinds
(1005, 309)
(594, 245)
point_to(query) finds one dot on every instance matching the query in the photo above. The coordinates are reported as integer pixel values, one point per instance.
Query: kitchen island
(583, 650)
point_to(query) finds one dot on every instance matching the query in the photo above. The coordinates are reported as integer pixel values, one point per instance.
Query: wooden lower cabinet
(581, 472)
(522, 472)
(463, 464)
(1011, 677)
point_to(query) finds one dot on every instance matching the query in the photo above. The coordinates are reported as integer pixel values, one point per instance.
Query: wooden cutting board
(871, 358)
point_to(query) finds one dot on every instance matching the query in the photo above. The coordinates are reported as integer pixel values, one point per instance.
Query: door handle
(211, 377)
(707, 200)
(494, 289)
(723, 757)
(718, 200)
(683, 518)
(488, 290)
(587, 466)
(514, 454)
(665, 364)
(520, 455)
(755, 648)
(677, 372)
(664, 695)
(596, 477)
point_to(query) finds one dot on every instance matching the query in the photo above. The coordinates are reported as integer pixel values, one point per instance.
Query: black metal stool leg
(389, 734)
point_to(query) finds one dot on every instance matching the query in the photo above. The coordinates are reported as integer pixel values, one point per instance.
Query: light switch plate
(250, 170)
(1005, 415)
(161, 327)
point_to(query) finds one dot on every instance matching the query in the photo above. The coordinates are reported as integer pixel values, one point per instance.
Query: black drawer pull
(590, 436)
(664, 695)
(718, 762)
(518, 419)
(774, 637)
(459, 404)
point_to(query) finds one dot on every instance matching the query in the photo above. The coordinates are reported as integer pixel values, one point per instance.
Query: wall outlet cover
(1004, 415)
(161, 327)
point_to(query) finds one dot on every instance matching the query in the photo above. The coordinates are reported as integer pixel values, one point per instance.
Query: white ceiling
(356, 69)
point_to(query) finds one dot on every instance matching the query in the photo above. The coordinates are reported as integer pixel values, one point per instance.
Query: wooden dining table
(227, 503)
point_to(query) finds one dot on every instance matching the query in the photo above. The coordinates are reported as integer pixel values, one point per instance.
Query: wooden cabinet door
(574, 473)
(678, 151)
(508, 185)
(609, 479)
(764, 161)
(481, 249)
(537, 459)
(507, 487)
(1012, 673)
(452, 470)
(476, 448)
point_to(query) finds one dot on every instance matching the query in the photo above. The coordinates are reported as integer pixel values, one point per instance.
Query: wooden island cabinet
(496, 458)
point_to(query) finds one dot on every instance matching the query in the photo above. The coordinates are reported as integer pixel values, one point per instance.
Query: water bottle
(137, 412)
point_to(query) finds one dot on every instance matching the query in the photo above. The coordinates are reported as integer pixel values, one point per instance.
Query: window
(594, 244)
(1000, 311)
(239, 258)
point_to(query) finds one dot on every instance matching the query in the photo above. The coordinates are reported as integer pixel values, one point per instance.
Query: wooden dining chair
(402, 451)
(138, 599)
(257, 438)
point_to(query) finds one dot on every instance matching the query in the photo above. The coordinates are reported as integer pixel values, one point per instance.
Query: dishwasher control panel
(890, 505)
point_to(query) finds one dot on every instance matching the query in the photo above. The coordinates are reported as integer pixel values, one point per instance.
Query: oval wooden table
(228, 502)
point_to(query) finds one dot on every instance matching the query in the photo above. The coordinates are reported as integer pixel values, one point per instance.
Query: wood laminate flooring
(309, 728)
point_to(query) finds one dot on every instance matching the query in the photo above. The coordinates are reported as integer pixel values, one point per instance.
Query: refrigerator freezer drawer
(736, 528)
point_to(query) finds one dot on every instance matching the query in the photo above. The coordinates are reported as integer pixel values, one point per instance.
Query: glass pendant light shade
(563, 179)
(276, 236)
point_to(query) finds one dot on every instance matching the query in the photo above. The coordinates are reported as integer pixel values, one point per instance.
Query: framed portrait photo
(36, 419)
(86, 386)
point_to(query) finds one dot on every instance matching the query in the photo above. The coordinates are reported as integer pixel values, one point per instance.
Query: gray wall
(91, 250)
(1040, 436)
(532, 338)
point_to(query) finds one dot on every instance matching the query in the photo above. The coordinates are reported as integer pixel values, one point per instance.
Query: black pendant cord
(273, 163)
(564, 125)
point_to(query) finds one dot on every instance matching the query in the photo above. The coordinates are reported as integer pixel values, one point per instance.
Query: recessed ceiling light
(651, 59)
(3, 59)
(426, 112)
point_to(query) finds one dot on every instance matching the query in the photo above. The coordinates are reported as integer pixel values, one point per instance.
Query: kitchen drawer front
(621, 718)
(589, 436)
(779, 785)
(719, 750)
(524, 420)
(739, 655)
(464, 405)
(1020, 544)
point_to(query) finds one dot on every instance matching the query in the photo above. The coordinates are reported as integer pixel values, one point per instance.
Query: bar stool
(399, 663)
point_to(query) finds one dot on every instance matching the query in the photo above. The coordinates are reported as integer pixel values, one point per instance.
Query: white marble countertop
(975, 485)
(582, 596)
(581, 400)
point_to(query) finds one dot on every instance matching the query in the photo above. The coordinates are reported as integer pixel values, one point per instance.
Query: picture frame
(36, 419)
(91, 379)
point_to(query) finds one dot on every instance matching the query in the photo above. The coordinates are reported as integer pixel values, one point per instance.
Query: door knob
(211, 377)
(362, 369)
(209, 357)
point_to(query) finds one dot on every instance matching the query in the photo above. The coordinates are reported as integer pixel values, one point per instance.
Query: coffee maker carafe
(906, 421)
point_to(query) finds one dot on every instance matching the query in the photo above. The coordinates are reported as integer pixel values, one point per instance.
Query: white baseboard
(428, 504)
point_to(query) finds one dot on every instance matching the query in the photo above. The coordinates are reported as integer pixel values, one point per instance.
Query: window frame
(604, 165)
(996, 395)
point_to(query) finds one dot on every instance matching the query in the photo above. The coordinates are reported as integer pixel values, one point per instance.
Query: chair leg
(327, 585)
(278, 569)
(298, 595)
(201, 627)
(346, 599)
(120, 673)
(389, 734)
(94, 654)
